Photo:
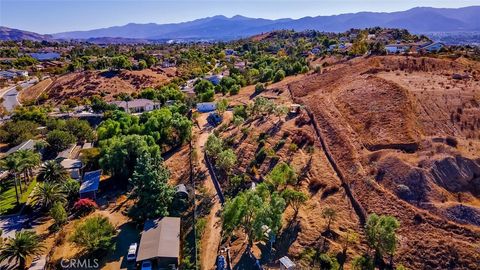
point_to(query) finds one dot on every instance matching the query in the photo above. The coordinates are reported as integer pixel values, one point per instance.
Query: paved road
(10, 95)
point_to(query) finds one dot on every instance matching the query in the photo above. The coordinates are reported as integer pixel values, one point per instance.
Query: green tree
(121, 62)
(58, 214)
(226, 160)
(51, 171)
(279, 75)
(46, 194)
(294, 198)
(213, 146)
(142, 65)
(381, 235)
(118, 155)
(16, 132)
(330, 214)
(10, 164)
(150, 188)
(71, 188)
(222, 106)
(252, 210)
(80, 129)
(94, 234)
(282, 174)
(25, 245)
(59, 140)
(28, 161)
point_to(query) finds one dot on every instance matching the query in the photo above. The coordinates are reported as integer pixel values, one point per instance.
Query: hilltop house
(137, 105)
(432, 47)
(160, 242)
(397, 48)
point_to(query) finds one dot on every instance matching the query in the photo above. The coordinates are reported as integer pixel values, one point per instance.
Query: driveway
(10, 224)
(10, 95)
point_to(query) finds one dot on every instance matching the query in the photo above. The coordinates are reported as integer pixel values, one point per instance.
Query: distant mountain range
(416, 20)
(15, 34)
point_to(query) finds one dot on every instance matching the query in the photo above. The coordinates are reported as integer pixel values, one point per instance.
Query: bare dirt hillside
(402, 134)
(107, 84)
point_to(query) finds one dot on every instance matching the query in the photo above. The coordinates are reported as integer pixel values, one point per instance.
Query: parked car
(214, 119)
(147, 265)
(132, 252)
(221, 265)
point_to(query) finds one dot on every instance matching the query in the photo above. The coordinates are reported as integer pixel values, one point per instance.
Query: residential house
(432, 47)
(160, 242)
(206, 106)
(12, 74)
(137, 105)
(27, 145)
(215, 79)
(45, 56)
(397, 48)
(90, 184)
(68, 159)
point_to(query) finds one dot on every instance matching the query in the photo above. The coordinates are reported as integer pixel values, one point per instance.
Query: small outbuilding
(160, 242)
(90, 184)
(181, 191)
(206, 106)
(286, 263)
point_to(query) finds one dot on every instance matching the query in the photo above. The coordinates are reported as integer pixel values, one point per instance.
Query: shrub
(84, 206)
(58, 213)
(94, 234)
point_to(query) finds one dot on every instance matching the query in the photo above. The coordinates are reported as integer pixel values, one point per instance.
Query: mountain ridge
(220, 27)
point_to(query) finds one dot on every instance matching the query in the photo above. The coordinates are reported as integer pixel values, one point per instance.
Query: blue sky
(52, 16)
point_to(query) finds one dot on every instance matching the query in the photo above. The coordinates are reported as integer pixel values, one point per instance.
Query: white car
(147, 265)
(132, 252)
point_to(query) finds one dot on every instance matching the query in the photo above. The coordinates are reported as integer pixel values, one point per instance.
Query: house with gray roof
(160, 242)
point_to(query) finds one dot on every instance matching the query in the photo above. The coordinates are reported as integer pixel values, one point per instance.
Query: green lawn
(8, 201)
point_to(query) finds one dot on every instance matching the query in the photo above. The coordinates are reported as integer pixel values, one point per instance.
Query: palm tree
(52, 171)
(10, 163)
(28, 160)
(44, 195)
(25, 245)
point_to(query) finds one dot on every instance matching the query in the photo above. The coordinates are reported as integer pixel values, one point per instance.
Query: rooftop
(91, 181)
(160, 239)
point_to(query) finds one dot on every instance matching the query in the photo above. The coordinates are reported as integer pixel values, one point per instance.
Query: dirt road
(212, 235)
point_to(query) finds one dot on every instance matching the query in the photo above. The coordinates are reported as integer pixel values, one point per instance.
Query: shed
(90, 183)
(206, 106)
(181, 191)
(160, 242)
(286, 263)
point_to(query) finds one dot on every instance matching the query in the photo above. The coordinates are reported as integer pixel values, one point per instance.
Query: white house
(137, 105)
(396, 48)
(433, 47)
(206, 106)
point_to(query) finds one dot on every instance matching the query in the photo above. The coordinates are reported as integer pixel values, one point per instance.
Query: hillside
(16, 34)
(107, 84)
(404, 135)
(387, 144)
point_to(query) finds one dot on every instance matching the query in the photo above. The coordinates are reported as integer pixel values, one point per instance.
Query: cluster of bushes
(123, 137)
(26, 122)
